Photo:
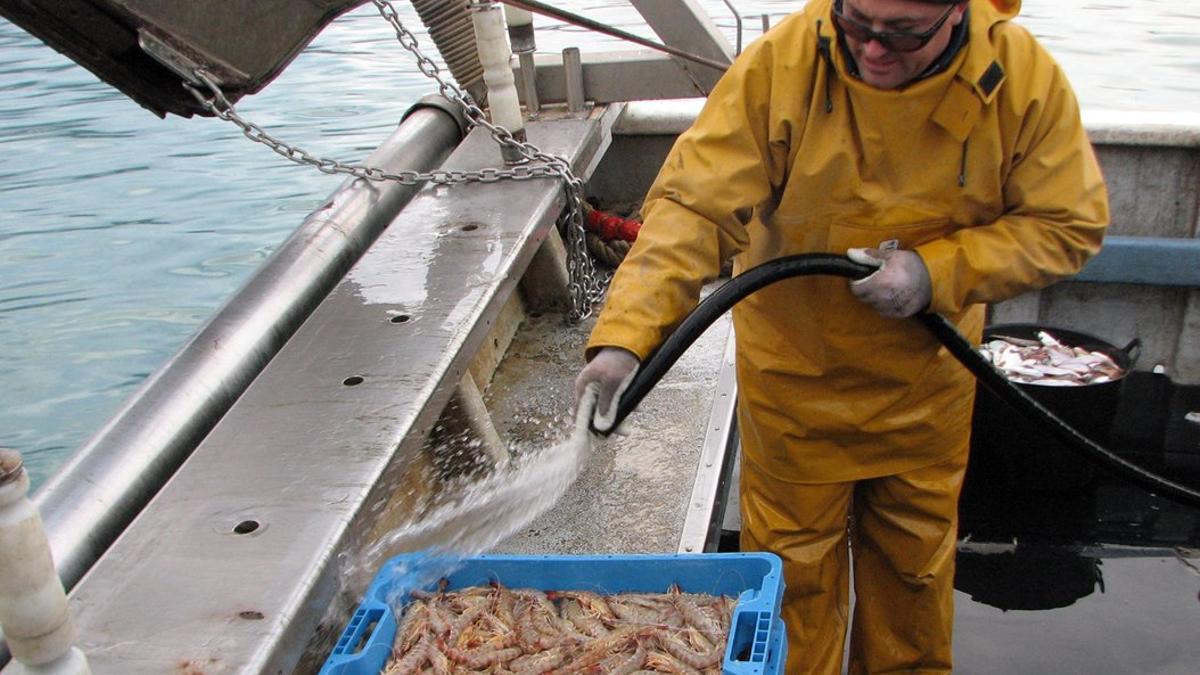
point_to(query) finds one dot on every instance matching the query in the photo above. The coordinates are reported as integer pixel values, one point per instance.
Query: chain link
(587, 284)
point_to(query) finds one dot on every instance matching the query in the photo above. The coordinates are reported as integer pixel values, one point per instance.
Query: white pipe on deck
(33, 604)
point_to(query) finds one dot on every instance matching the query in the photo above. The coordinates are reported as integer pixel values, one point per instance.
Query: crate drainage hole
(402, 318)
(246, 527)
(365, 639)
(252, 615)
(352, 381)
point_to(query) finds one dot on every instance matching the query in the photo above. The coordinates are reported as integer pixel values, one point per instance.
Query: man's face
(887, 69)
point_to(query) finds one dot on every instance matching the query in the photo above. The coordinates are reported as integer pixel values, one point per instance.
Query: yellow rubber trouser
(902, 530)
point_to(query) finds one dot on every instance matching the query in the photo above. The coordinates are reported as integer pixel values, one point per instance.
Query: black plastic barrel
(1012, 452)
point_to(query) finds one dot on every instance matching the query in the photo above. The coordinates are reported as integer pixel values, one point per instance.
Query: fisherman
(935, 140)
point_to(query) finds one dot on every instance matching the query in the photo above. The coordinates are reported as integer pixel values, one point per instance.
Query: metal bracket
(185, 65)
(711, 490)
(170, 57)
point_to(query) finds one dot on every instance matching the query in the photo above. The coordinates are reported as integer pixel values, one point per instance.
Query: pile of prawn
(493, 629)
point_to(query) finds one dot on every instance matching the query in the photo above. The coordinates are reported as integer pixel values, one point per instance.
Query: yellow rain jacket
(983, 169)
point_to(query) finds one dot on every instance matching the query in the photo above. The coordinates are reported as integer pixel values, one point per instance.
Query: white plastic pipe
(71, 663)
(515, 16)
(503, 105)
(33, 604)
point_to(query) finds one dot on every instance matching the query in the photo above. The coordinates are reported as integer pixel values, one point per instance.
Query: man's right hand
(608, 373)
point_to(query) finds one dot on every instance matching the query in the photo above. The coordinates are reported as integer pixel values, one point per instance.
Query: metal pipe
(106, 483)
(529, 83)
(738, 20)
(520, 34)
(573, 73)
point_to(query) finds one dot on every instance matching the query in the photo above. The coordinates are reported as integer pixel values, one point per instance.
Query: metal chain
(587, 286)
(586, 283)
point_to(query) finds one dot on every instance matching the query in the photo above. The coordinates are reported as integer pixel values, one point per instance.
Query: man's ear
(957, 14)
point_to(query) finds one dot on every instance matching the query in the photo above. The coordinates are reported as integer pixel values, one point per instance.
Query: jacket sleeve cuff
(940, 258)
(602, 338)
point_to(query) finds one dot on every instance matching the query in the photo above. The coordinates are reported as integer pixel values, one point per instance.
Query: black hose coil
(808, 264)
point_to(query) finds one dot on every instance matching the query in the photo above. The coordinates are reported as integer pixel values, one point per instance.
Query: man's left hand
(899, 288)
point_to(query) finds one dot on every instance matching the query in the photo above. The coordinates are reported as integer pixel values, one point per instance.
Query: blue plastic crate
(756, 643)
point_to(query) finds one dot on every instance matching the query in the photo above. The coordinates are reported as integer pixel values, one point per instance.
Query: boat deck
(1047, 609)
(633, 493)
(1103, 577)
(328, 448)
(1100, 578)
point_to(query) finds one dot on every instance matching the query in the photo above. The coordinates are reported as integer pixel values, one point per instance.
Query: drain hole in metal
(246, 527)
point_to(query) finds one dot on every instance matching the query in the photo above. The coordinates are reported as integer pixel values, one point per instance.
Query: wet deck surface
(632, 495)
(1104, 576)
(1062, 574)
(1044, 609)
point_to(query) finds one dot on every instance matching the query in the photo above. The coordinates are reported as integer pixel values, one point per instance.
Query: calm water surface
(121, 233)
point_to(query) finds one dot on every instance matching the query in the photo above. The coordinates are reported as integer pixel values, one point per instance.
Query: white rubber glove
(899, 288)
(608, 373)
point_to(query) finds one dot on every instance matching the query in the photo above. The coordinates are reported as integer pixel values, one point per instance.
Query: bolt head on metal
(511, 153)
(512, 156)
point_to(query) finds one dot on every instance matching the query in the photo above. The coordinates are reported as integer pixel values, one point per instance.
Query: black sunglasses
(893, 42)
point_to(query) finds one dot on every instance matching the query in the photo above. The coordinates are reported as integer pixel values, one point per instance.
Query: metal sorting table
(636, 492)
(234, 566)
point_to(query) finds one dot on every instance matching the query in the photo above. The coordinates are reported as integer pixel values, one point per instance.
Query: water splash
(480, 513)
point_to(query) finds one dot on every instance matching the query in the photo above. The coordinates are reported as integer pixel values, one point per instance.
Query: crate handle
(749, 637)
(365, 644)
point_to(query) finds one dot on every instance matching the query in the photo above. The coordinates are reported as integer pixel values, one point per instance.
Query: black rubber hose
(808, 264)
